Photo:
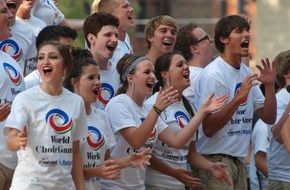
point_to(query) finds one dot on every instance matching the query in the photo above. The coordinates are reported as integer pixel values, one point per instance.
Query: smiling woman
(53, 141)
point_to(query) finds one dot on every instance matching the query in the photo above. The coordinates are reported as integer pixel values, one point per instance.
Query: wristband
(157, 110)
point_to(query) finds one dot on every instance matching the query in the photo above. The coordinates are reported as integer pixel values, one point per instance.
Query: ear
(91, 38)
(149, 38)
(130, 78)
(224, 40)
(194, 49)
(164, 74)
(73, 82)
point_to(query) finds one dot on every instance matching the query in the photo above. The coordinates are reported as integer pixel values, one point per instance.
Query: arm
(220, 118)
(180, 138)
(285, 134)
(268, 113)
(77, 167)
(74, 24)
(277, 128)
(218, 169)
(5, 110)
(142, 132)
(135, 159)
(183, 175)
(261, 163)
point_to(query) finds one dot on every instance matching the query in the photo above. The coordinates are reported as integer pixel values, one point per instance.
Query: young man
(279, 160)
(11, 83)
(21, 46)
(198, 50)
(125, 13)
(160, 32)
(225, 134)
(101, 33)
(59, 33)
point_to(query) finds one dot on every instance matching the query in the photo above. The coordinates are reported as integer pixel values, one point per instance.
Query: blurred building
(202, 12)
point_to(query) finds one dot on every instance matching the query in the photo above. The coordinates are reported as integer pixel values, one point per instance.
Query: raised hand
(109, 170)
(5, 110)
(267, 72)
(166, 98)
(22, 138)
(141, 159)
(218, 169)
(183, 175)
(211, 103)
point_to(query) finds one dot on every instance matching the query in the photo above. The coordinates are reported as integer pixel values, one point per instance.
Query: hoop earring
(168, 83)
(133, 88)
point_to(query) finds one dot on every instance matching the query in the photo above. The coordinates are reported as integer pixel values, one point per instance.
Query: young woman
(45, 125)
(171, 69)
(84, 79)
(134, 127)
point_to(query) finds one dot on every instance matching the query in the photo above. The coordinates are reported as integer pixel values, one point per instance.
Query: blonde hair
(95, 6)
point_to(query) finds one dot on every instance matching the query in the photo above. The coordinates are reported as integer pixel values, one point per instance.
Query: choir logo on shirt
(153, 134)
(10, 47)
(237, 89)
(181, 118)
(106, 92)
(12, 73)
(59, 121)
(95, 139)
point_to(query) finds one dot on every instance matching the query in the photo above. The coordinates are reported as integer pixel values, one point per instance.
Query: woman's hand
(166, 98)
(141, 159)
(211, 104)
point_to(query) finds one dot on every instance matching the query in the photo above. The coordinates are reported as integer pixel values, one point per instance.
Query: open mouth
(11, 5)
(111, 47)
(245, 44)
(167, 43)
(47, 70)
(186, 75)
(96, 91)
(150, 85)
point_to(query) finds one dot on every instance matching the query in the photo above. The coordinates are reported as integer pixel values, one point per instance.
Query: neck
(104, 63)
(23, 14)
(121, 35)
(152, 55)
(234, 61)
(137, 99)
(88, 108)
(53, 90)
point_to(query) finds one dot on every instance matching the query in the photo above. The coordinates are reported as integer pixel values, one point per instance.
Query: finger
(146, 151)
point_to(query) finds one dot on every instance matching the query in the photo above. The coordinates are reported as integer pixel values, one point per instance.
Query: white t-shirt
(11, 83)
(48, 12)
(34, 23)
(279, 159)
(175, 117)
(53, 124)
(110, 82)
(21, 46)
(189, 92)
(124, 47)
(123, 112)
(260, 142)
(32, 79)
(234, 138)
(93, 147)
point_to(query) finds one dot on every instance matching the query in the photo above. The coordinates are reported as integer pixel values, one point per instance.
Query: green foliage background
(79, 9)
